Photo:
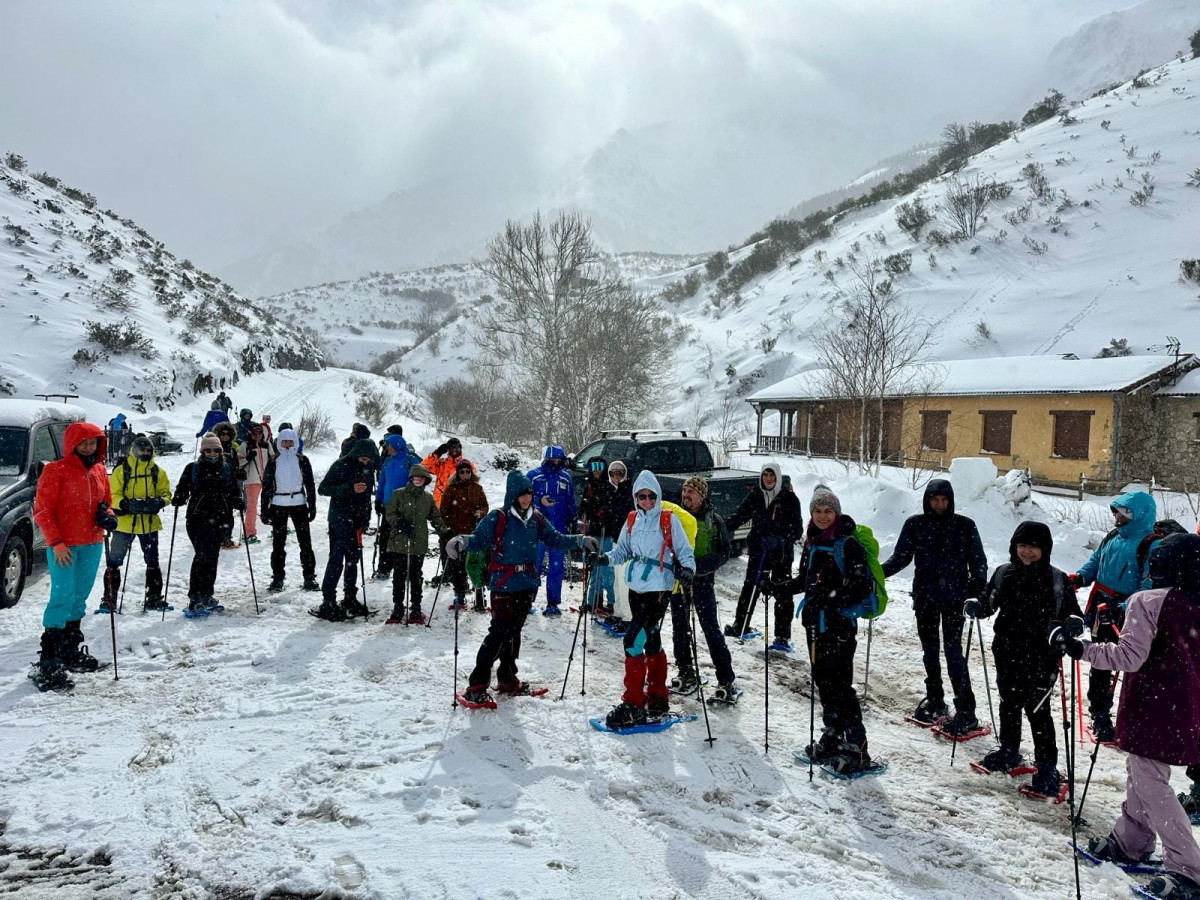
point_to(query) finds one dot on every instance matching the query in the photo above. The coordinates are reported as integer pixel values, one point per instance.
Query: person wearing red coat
(73, 509)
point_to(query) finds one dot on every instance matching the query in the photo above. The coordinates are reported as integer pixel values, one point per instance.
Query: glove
(155, 504)
(685, 576)
(455, 546)
(402, 526)
(972, 609)
(124, 508)
(598, 559)
(312, 513)
(776, 588)
(590, 545)
(1063, 642)
(441, 449)
(135, 507)
(178, 501)
(104, 518)
(239, 504)
(1076, 582)
(379, 507)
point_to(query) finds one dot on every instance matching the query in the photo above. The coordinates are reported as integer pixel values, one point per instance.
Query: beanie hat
(699, 485)
(142, 444)
(824, 496)
(210, 442)
(464, 463)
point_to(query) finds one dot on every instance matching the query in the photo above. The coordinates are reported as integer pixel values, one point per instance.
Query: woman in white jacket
(656, 553)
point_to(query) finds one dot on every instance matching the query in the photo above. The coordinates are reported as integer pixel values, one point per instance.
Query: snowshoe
(1106, 849)
(929, 713)
(601, 724)
(197, 609)
(212, 605)
(397, 616)
(48, 673)
(252, 539)
(330, 612)
(782, 646)
(78, 659)
(519, 688)
(749, 636)
(457, 603)
(355, 609)
(1102, 729)
(725, 695)
(657, 708)
(848, 758)
(686, 683)
(552, 610)
(106, 607)
(159, 605)
(826, 749)
(310, 584)
(1003, 760)
(231, 545)
(416, 618)
(476, 698)
(1172, 885)
(625, 715)
(276, 585)
(962, 727)
(480, 605)
(1047, 784)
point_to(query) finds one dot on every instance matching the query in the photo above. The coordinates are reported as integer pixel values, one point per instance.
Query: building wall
(1160, 439)
(1032, 441)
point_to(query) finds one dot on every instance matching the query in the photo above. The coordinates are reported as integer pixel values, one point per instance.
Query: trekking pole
(690, 597)
(375, 552)
(454, 704)
(112, 616)
(571, 655)
(253, 589)
(1069, 738)
(812, 704)
(445, 572)
(986, 682)
(966, 663)
(766, 679)
(744, 626)
(584, 611)
(1079, 820)
(867, 673)
(170, 556)
(125, 577)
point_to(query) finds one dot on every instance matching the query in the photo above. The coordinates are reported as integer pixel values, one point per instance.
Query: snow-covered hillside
(91, 304)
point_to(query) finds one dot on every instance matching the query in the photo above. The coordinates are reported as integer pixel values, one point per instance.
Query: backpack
(664, 525)
(127, 475)
(1162, 528)
(873, 605)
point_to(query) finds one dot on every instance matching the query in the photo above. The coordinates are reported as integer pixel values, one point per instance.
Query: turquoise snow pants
(70, 585)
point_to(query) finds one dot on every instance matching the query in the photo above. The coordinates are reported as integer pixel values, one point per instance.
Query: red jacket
(68, 494)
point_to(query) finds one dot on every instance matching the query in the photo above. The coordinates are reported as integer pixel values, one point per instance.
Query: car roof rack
(633, 435)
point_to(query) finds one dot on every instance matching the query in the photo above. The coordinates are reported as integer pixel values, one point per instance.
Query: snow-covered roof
(989, 377)
(24, 413)
(1188, 385)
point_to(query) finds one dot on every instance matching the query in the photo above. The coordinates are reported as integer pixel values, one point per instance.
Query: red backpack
(664, 525)
(493, 564)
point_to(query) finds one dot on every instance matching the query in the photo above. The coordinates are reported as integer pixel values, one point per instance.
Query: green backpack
(875, 603)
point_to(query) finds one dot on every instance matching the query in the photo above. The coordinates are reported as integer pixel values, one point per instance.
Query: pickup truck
(673, 457)
(31, 435)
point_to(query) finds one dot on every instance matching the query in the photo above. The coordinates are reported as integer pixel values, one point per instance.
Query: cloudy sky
(227, 126)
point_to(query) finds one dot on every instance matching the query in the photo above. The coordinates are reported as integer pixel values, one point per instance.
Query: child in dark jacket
(1029, 594)
(1158, 719)
(832, 635)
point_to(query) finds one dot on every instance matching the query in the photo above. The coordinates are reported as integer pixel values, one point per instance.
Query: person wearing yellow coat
(139, 490)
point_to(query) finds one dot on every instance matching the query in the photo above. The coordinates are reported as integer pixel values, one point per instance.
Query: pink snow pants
(252, 494)
(1151, 808)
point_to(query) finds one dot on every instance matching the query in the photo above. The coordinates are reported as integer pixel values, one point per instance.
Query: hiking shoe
(1107, 849)
(930, 712)
(685, 682)
(310, 584)
(849, 758)
(552, 610)
(228, 545)
(515, 688)
(625, 715)
(210, 603)
(1102, 728)
(657, 707)
(381, 575)
(478, 694)
(197, 607)
(826, 747)
(458, 602)
(732, 632)
(1191, 801)
(154, 605)
(354, 609)
(1174, 886)
(330, 612)
(726, 692)
(1002, 759)
(1047, 781)
(961, 724)
(78, 659)
(276, 585)
(397, 616)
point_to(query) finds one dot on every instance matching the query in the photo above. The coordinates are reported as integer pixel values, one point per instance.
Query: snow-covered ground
(275, 755)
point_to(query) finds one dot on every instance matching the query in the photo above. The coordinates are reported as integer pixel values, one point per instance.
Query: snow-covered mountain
(91, 304)
(1113, 47)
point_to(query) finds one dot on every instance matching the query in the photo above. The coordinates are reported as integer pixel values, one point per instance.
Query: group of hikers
(644, 556)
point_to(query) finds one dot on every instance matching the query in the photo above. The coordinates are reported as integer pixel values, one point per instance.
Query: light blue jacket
(642, 545)
(1114, 562)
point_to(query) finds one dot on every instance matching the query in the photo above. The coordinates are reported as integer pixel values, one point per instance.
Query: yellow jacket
(137, 480)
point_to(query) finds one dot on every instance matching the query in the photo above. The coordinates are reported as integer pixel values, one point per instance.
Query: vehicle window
(12, 450)
(669, 456)
(588, 453)
(59, 429)
(43, 446)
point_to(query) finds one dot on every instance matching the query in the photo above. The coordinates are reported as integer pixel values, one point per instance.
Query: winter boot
(397, 616)
(353, 608)
(480, 605)
(1002, 759)
(154, 590)
(552, 609)
(1173, 885)
(460, 601)
(381, 575)
(930, 712)
(310, 583)
(73, 652)
(850, 758)
(1107, 849)
(960, 724)
(330, 612)
(726, 692)
(415, 616)
(1102, 728)
(1047, 781)
(657, 708)
(826, 747)
(276, 584)
(197, 607)
(516, 688)
(48, 672)
(685, 682)
(625, 715)
(1191, 802)
(112, 583)
(478, 695)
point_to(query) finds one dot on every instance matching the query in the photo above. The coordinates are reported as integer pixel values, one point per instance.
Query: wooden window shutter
(1072, 434)
(933, 429)
(997, 432)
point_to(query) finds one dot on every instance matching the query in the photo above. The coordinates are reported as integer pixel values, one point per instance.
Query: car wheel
(12, 571)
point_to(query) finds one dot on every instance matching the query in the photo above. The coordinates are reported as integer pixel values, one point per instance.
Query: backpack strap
(1059, 593)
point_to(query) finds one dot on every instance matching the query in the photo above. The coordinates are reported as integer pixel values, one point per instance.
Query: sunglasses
(645, 495)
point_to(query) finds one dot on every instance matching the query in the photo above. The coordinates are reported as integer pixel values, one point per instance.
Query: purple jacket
(1159, 714)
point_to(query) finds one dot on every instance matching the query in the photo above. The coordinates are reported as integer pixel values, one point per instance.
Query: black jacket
(774, 529)
(602, 506)
(951, 564)
(826, 589)
(347, 508)
(268, 487)
(1027, 602)
(210, 493)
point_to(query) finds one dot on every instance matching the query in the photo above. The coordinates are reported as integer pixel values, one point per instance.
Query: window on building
(1072, 434)
(933, 429)
(997, 431)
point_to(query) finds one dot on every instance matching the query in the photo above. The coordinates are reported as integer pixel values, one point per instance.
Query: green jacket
(407, 511)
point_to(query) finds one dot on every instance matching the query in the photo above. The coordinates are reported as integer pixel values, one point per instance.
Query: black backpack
(1162, 528)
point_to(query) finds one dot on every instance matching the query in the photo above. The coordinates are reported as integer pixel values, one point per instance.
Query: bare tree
(873, 351)
(965, 203)
(566, 334)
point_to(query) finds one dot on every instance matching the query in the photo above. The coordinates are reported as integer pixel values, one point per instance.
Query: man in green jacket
(348, 485)
(407, 512)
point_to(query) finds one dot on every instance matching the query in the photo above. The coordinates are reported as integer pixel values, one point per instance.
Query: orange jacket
(68, 494)
(441, 469)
